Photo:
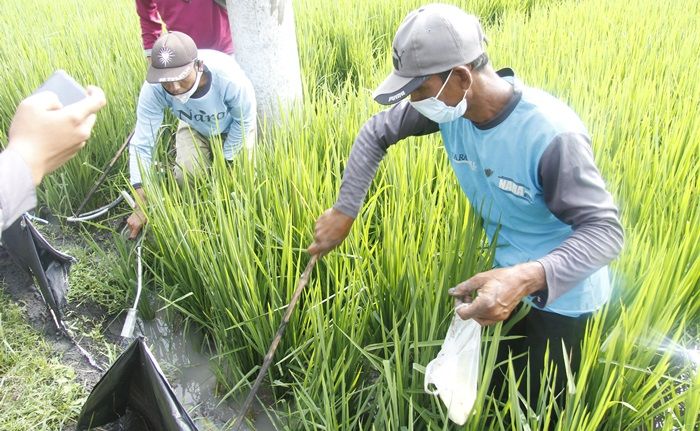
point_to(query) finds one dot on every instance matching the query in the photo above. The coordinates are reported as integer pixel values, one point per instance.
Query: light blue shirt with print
(228, 107)
(497, 167)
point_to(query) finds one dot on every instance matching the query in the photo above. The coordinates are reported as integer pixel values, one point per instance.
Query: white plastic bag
(454, 372)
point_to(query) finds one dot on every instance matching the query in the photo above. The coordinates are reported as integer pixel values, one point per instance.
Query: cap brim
(395, 88)
(155, 76)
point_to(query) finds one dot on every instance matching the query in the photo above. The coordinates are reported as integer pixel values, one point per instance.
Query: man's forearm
(575, 193)
(359, 172)
(588, 249)
(376, 136)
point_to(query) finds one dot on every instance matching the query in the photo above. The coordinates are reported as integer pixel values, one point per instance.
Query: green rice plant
(106, 271)
(226, 249)
(646, 143)
(37, 391)
(626, 384)
(376, 310)
(95, 42)
(234, 238)
(346, 41)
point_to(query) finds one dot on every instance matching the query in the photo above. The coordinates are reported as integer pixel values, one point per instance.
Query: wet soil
(19, 286)
(177, 349)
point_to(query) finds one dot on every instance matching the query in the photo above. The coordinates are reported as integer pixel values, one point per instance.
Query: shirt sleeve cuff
(17, 191)
(346, 209)
(549, 293)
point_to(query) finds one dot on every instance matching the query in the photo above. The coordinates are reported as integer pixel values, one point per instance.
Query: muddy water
(181, 355)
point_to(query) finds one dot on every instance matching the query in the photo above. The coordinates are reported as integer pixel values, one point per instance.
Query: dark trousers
(534, 332)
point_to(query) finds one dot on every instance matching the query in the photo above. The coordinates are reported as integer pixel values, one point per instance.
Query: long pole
(105, 171)
(275, 341)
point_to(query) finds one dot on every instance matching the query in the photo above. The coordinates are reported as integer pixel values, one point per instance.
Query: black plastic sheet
(134, 395)
(49, 267)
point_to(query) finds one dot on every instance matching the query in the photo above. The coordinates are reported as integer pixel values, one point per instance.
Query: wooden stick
(275, 341)
(105, 171)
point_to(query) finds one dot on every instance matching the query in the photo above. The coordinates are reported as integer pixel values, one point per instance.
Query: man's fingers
(459, 300)
(485, 322)
(45, 100)
(313, 248)
(319, 248)
(89, 122)
(134, 232)
(135, 223)
(466, 287)
(465, 311)
(468, 311)
(86, 127)
(97, 96)
(330, 230)
(471, 310)
(88, 106)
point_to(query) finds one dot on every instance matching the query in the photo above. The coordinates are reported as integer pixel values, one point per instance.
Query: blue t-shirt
(228, 107)
(497, 167)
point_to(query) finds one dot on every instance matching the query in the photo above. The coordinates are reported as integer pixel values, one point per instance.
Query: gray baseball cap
(431, 39)
(172, 57)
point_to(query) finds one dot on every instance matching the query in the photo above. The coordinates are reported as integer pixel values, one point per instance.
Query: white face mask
(184, 97)
(437, 110)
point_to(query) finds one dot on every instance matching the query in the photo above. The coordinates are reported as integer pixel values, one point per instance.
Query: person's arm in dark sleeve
(575, 193)
(379, 133)
(375, 137)
(151, 25)
(17, 192)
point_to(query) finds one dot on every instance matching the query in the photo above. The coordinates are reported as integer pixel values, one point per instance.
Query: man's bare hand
(46, 134)
(498, 292)
(332, 227)
(137, 219)
(135, 223)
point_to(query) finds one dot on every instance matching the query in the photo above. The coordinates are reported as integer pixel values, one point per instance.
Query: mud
(19, 286)
(179, 350)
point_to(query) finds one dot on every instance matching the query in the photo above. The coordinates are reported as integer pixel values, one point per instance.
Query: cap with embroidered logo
(172, 57)
(431, 39)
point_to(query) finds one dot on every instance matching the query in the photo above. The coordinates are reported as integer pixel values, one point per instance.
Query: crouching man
(209, 94)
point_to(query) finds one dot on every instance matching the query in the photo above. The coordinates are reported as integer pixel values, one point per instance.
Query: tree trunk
(266, 48)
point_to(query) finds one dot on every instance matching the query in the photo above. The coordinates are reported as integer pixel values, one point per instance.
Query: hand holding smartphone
(64, 86)
(52, 125)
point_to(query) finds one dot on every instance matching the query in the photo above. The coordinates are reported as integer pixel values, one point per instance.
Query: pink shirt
(203, 20)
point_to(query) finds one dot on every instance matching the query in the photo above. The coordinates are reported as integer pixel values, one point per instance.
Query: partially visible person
(209, 94)
(524, 160)
(43, 136)
(205, 21)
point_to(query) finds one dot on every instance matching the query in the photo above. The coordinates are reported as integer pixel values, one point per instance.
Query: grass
(101, 276)
(227, 249)
(37, 391)
(96, 43)
(236, 236)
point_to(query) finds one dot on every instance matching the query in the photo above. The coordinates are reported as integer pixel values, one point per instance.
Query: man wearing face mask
(209, 94)
(524, 160)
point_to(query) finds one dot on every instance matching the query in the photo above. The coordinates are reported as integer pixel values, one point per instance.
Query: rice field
(226, 250)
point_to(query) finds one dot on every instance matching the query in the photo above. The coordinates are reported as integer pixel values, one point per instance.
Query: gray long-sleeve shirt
(17, 193)
(574, 192)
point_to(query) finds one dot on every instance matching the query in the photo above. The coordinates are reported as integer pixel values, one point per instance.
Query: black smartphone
(64, 86)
